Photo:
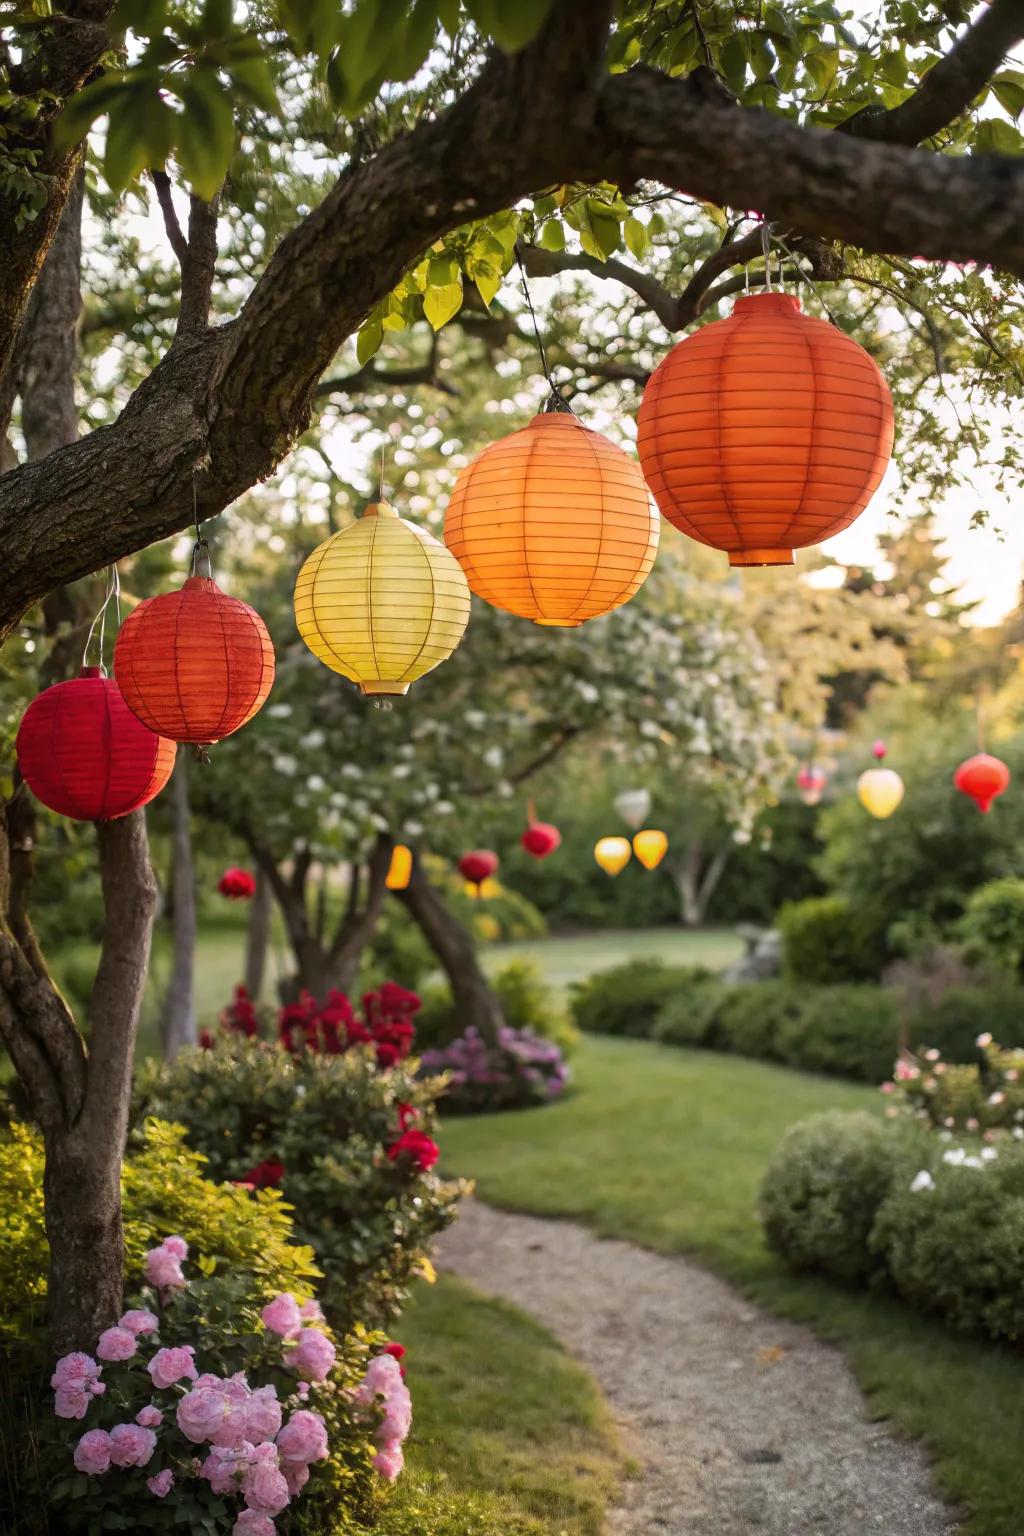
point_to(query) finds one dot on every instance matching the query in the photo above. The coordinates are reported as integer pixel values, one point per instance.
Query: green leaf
(762, 57)
(254, 81)
(216, 18)
(512, 23)
(448, 13)
(552, 236)
(486, 274)
(206, 132)
(85, 107)
(822, 67)
(138, 134)
(638, 241)
(1008, 89)
(733, 59)
(996, 137)
(440, 304)
(656, 225)
(144, 17)
(443, 270)
(600, 230)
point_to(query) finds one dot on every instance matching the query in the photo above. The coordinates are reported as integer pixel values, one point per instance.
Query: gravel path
(746, 1425)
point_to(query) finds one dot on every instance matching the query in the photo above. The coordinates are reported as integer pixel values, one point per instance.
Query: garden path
(745, 1425)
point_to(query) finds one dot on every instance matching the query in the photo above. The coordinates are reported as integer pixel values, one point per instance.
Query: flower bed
(517, 1070)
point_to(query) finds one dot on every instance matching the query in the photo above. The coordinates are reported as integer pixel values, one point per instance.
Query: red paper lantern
(84, 754)
(478, 865)
(196, 664)
(765, 432)
(540, 839)
(983, 778)
(237, 884)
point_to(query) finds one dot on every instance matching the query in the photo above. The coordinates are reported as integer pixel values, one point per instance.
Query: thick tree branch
(172, 226)
(197, 269)
(655, 295)
(951, 85)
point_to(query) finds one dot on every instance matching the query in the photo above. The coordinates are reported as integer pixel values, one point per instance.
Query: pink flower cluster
(383, 1387)
(313, 1353)
(163, 1264)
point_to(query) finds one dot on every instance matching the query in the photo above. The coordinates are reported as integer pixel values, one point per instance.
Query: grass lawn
(666, 1148)
(510, 1436)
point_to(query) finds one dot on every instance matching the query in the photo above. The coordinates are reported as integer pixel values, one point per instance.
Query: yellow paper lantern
(553, 523)
(880, 791)
(650, 847)
(613, 854)
(382, 602)
(400, 869)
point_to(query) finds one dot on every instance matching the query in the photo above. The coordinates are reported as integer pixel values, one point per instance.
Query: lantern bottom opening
(380, 686)
(559, 623)
(761, 557)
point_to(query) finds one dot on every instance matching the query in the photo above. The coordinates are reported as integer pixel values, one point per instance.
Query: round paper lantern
(765, 432)
(553, 523)
(650, 847)
(810, 783)
(613, 854)
(84, 754)
(880, 791)
(382, 602)
(400, 869)
(983, 778)
(237, 884)
(540, 839)
(633, 806)
(478, 865)
(196, 664)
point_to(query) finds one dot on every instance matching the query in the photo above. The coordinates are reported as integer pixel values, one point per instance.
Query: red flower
(408, 1114)
(357, 1033)
(237, 884)
(265, 1175)
(240, 1016)
(397, 1351)
(418, 1147)
(395, 999)
(387, 1056)
(205, 1040)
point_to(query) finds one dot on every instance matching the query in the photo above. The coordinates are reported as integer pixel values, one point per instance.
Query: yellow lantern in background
(613, 854)
(880, 791)
(650, 847)
(382, 602)
(400, 869)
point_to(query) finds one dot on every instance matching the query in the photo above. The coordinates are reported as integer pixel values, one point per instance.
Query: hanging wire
(201, 548)
(556, 400)
(383, 450)
(766, 246)
(801, 276)
(113, 593)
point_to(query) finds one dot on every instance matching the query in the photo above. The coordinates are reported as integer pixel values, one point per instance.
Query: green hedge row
(851, 1030)
(871, 1203)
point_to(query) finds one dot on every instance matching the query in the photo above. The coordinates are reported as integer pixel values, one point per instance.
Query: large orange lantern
(765, 432)
(613, 854)
(983, 778)
(650, 847)
(553, 523)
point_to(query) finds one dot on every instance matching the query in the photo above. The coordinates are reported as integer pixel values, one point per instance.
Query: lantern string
(557, 400)
(113, 592)
(799, 275)
(766, 248)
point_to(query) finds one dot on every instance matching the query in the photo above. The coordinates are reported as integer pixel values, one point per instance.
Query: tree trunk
(476, 1003)
(695, 883)
(359, 924)
(257, 937)
(178, 1012)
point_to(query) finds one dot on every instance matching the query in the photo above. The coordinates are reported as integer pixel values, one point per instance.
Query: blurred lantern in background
(400, 869)
(540, 837)
(476, 866)
(880, 790)
(983, 778)
(650, 847)
(613, 854)
(633, 806)
(810, 783)
(237, 884)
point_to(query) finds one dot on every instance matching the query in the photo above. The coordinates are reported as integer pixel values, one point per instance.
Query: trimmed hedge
(626, 999)
(829, 939)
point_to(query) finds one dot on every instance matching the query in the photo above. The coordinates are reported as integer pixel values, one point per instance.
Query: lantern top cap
(92, 672)
(784, 303)
(380, 509)
(199, 584)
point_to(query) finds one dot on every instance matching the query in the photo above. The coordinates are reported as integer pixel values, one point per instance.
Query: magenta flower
(221, 1469)
(139, 1322)
(170, 1365)
(177, 1246)
(162, 1484)
(304, 1438)
(131, 1445)
(149, 1417)
(312, 1312)
(313, 1356)
(282, 1316)
(116, 1344)
(92, 1453)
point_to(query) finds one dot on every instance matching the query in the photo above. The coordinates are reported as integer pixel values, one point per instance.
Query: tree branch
(175, 233)
(665, 305)
(197, 269)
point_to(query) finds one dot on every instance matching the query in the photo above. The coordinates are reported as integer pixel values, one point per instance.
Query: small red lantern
(84, 754)
(477, 866)
(195, 664)
(810, 783)
(983, 778)
(540, 839)
(237, 884)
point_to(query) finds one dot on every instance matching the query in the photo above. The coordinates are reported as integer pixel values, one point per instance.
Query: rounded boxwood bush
(822, 1191)
(992, 927)
(830, 939)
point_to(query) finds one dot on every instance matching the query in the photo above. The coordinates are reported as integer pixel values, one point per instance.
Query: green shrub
(398, 949)
(850, 1031)
(330, 1121)
(953, 1023)
(526, 1000)
(830, 939)
(687, 1017)
(822, 1191)
(626, 999)
(992, 927)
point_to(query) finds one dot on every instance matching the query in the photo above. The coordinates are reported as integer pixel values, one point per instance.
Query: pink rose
(116, 1344)
(140, 1322)
(282, 1315)
(312, 1312)
(296, 1475)
(262, 1415)
(396, 1421)
(92, 1453)
(302, 1390)
(232, 1432)
(75, 1367)
(149, 1417)
(200, 1413)
(251, 1523)
(207, 1379)
(312, 1356)
(264, 1487)
(221, 1470)
(162, 1484)
(131, 1445)
(389, 1460)
(97, 1388)
(163, 1269)
(170, 1365)
(237, 1387)
(72, 1401)
(177, 1246)
(303, 1438)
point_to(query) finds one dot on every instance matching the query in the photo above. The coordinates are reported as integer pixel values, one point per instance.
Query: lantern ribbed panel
(85, 755)
(553, 523)
(382, 602)
(765, 432)
(196, 664)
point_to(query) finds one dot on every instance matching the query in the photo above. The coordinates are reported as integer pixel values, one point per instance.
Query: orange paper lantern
(650, 847)
(400, 869)
(553, 523)
(196, 664)
(765, 432)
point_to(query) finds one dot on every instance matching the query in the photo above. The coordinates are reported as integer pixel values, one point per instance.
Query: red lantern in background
(983, 778)
(477, 866)
(195, 664)
(540, 839)
(84, 754)
(237, 884)
(810, 783)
